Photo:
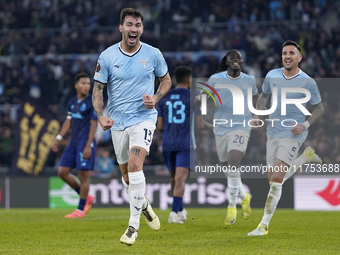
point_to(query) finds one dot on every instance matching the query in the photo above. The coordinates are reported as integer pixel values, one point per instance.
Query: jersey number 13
(176, 112)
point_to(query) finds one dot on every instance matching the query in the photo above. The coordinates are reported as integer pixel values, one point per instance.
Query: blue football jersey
(276, 79)
(174, 107)
(128, 79)
(81, 112)
(225, 112)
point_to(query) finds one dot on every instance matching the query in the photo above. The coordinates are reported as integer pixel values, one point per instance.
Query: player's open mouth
(236, 64)
(132, 38)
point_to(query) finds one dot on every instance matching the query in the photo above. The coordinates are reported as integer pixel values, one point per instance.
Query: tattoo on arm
(135, 151)
(97, 98)
(159, 95)
(164, 86)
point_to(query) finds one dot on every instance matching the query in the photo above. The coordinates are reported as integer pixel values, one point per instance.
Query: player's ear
(120, 28)
(300, 58)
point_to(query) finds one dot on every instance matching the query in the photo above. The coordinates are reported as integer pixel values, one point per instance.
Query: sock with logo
(176, 204)
(273, 199)
(126, 187)
(241, 192)
(233, 184)
(136, 197)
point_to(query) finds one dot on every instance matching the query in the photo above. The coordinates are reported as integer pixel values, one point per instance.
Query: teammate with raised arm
(232, 137)
(81, 150)
(283, 143)
(128, 69)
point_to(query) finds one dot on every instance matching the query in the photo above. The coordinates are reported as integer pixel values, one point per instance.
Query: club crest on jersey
(144, 62)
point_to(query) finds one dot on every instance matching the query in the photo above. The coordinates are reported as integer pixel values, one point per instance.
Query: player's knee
(180, 179)
(276, 178)
(62, 173)
(235, 163)
(84, 176)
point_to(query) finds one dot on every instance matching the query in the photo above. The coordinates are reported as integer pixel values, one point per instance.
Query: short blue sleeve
(69, 104)
(161, 68)
(266, 85)
(254, 87)
(315, 93)
(101, 74)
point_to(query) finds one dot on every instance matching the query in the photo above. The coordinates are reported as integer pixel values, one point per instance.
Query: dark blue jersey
(81, 113)
(174, 107)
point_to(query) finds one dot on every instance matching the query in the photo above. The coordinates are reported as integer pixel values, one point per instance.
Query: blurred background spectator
(104, 166)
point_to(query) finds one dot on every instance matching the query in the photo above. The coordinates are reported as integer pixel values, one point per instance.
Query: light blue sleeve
(211, 81)
(161, 68)
(315, 93)
(266, 85)
(101, 74)
(253, 84)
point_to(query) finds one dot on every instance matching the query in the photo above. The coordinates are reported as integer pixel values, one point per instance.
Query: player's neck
(234, 74)
(181, 85)
(129, 50)
(291, 73)
(81, 96)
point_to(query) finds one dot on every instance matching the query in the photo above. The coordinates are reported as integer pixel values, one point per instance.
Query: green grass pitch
(45, 231)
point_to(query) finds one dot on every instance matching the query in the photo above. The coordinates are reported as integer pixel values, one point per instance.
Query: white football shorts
(234, 140)
(285, 149)
(137, 135)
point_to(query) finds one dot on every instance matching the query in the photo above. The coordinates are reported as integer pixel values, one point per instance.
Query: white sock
(233, 184)
(136, 197)
(241, 192)
(297, 163)
(126, 186)
(273, 199)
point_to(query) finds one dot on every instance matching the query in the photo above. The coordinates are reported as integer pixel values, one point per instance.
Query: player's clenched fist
(105, 122)
(149, 101)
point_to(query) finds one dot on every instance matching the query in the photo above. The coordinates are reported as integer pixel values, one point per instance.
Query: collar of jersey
(127, 53)
(226, 72)
(288, 78)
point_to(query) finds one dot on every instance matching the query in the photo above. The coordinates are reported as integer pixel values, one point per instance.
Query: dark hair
(130, 12)
(290, 42)
(81, 75)
(223, 65)
(182, 73)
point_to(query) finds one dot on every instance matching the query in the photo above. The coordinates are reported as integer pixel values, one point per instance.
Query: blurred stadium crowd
(43, 44)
